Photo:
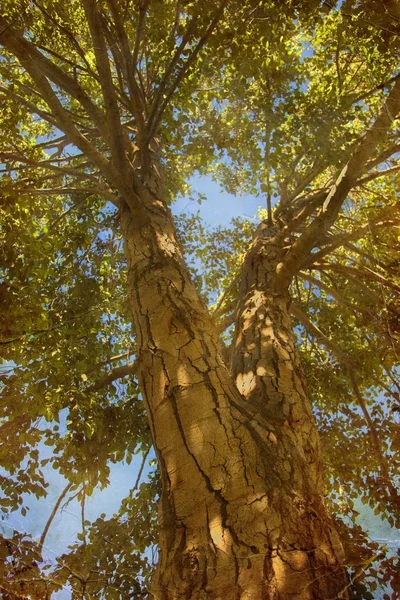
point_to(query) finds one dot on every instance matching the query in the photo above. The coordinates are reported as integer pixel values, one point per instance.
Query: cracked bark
(232, 471)
(268, 373)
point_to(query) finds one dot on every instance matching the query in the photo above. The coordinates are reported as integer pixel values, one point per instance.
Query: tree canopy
(295, 103)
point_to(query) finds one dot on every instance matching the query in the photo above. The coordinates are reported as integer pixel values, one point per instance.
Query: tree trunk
(241, 514)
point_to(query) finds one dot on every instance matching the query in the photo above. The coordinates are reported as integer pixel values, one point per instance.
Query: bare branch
(378, 174)
(112, 375)
(52, 515)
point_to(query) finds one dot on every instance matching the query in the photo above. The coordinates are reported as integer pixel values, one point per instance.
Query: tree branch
(338, 194)
(332, 292)
(129, 61)
(115, 132)
(112, 375)
(25, 51)
(365, 272)
(152, 127)
(167, 75)
(333, 242)
(378, 174)
(382, 156)
(52, 515)
(348, 364)
(65, 124)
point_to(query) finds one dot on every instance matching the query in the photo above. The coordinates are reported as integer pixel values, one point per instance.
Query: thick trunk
(241, 512)
(267, 371)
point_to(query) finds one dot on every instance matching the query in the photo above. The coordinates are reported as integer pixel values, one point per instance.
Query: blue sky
(220, 207)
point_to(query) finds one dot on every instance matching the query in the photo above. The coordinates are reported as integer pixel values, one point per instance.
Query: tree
(109, 108)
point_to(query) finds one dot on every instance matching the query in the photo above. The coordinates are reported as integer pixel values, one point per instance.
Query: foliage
(266, 99)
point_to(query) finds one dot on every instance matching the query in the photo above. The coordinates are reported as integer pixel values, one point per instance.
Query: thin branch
(378, 174)
(67, 33)
(129, 63)
(332, 292)
(152, 127)
(139, 30)
(380, 86)
(349, 366)
(383, 219)
(83, 500)
(168, 73)
(68, 191)
(112, 375)
(64, 122)
(52, 515)
(107, 361)
(32, 107)
(363, 272)
(139, 475)
(316, 332)
(375, 440)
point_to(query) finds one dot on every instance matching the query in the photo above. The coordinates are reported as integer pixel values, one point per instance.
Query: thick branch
(115, 132)
(129, 67)
(25, 50)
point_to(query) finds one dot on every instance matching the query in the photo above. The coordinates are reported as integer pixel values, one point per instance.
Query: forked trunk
(242, 515)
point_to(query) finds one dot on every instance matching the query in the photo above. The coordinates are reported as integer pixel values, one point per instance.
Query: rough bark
(241, 514)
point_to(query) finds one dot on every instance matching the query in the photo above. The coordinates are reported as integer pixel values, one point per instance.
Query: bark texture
(242, 513)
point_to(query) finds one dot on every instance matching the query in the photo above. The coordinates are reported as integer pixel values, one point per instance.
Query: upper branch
(129, 61)
(156, 117)
(25, 50)
(346, 181)
(115, 131)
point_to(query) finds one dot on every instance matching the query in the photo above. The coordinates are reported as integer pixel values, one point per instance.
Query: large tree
(108, 108)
